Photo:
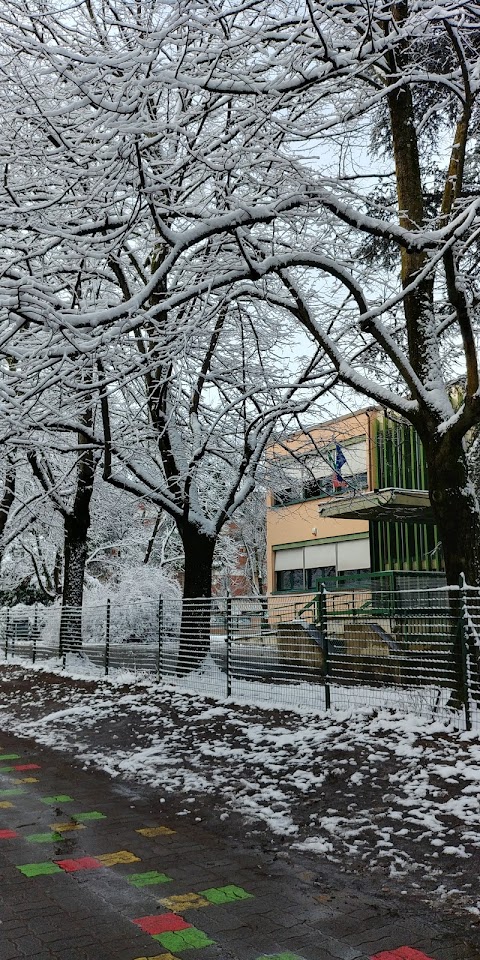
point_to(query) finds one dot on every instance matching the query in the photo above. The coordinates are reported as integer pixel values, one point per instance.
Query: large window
(310, 474)
(301, 568)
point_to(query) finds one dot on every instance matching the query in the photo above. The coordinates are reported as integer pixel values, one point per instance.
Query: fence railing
(412, 649)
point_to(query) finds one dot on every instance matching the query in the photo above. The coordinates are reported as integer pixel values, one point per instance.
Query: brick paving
(96, 870)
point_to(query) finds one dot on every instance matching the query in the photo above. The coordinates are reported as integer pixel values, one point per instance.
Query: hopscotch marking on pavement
(44, 837)
(120, 856)
(62, 798)
(401, 953)
(148, 879)
(66, 827)
(175, 933)
(184, 901)
(90, 815)
(155, 831)
(170, 929)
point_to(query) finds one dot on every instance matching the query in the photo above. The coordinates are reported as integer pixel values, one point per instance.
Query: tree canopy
(168, 167)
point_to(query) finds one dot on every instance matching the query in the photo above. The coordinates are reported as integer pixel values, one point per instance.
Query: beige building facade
(302, 546)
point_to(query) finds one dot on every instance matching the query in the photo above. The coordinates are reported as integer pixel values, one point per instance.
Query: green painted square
(189, 939)
(12, 792)
(148, 879)
(6, 769)
(39, 869)
(62, 798)
(280, 956)
(44, 837)
(10, 756)
(91, 815)
(225, 894)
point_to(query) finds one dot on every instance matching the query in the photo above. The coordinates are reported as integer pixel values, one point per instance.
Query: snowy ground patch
(374, 791)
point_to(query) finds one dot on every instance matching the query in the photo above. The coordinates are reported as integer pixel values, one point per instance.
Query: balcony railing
(319, 489)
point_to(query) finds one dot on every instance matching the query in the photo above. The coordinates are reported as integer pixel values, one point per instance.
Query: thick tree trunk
(77, 525)
(452, 496)
(456, 511)
(197, 592)
(8, 496)
(75, 558)
(455, 508)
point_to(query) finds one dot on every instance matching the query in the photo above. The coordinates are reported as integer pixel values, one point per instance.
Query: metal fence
(403, 649)
(412, 649)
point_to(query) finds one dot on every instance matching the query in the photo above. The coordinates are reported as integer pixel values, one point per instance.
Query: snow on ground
(257, 674)
(377, 791)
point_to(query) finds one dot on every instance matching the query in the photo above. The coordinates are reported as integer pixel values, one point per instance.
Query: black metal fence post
(463, 656)
(160, 639)
(35, 634)
(7, 630)
(61, 652)
(107, 639)
(324, 635)
(229, 645)
(318, 606)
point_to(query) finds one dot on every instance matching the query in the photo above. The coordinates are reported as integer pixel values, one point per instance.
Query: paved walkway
(94, 870)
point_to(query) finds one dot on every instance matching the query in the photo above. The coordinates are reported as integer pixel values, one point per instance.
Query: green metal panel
(374, 454)
(400, 462)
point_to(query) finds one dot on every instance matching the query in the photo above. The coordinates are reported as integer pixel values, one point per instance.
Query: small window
(282, 497)
(350, 484)
(326, 487)
(355, 579)
(318, 488)
(289, 580)
(318, 575)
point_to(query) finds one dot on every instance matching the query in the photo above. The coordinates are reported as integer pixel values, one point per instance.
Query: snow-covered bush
(134, 605)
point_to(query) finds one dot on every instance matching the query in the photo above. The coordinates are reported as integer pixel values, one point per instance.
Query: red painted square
(83, 863)
(7, 834)
(26, 766)
(162, 923)
(401, 953)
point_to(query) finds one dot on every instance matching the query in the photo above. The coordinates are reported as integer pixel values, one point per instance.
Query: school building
(352, 499)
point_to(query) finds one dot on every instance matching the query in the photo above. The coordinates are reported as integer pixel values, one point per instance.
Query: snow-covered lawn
(259, 674)
(372, 790)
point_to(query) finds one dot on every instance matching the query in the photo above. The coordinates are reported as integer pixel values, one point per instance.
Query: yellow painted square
(5, 804)
(121, 856)
(160, 956)
(155, 831)
(27, 780)
(66, 827)
(185, 901)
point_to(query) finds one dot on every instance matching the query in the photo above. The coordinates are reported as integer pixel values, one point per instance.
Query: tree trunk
(455, 508)
(197, 592)
(8, 496)
(456, 511)
(77, 525)
(6, 502)
(452, 495)
(75, 558)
